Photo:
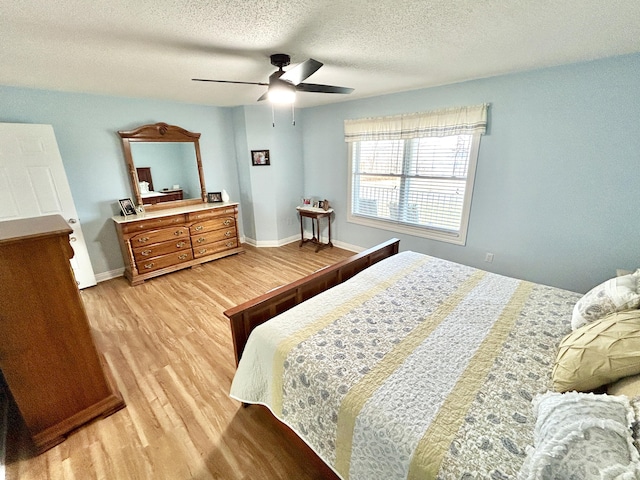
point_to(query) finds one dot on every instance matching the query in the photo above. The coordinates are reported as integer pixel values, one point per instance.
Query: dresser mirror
(164, 165)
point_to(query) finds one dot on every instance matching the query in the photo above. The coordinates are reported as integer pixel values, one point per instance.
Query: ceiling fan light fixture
(282, 94)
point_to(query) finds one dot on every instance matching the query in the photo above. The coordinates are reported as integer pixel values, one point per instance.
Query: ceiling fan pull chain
(273, 116)
(293, 115)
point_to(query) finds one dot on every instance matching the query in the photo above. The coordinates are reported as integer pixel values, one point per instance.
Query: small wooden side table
(315, 214)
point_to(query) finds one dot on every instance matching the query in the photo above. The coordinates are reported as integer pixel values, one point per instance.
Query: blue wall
(276, 189)
(557, 184)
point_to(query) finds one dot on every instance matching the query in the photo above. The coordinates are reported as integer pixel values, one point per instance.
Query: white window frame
(456, 238)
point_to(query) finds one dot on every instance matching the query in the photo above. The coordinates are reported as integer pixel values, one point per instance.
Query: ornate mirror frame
(160, 132)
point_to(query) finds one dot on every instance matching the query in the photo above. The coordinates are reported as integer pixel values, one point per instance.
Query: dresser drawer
(214, 224)
(144, 253)
(211, 248)
(157, 236)
(175, 258)
(152, 223)
(214, 212)
(213, 236)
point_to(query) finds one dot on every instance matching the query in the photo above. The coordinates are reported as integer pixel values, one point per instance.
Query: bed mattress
(415, 368)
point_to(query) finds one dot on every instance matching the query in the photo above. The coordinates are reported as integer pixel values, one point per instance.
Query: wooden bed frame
(247, 316)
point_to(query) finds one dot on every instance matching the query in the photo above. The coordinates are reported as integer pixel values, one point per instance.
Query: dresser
(47, 355)
(164, 241)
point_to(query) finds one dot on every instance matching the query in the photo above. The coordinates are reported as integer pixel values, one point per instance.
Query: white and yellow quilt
(415, 368)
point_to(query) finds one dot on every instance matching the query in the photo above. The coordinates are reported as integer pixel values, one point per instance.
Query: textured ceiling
(152, 48)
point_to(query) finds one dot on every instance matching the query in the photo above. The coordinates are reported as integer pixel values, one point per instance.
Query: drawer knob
(143, 239)
(181, 244)
(199, 227)
(183, 256)
(202, 250)
(229, 244)
(227, 222)
(228, 233)
(178, 232)
(149, 265)
(145, 252)
(201, 239)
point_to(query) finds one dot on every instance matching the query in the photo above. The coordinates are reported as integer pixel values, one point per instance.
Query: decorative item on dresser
(167, 240)
(47, 354)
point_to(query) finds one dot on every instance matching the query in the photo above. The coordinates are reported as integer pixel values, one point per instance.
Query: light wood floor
(169, 347)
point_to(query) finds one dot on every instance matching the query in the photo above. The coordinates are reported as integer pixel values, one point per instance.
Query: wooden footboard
(247, 316)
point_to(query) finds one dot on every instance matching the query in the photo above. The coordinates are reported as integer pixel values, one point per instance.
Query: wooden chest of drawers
(56, 375)
(173, 239)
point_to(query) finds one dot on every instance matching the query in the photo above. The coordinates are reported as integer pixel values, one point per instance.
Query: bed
(401, 365)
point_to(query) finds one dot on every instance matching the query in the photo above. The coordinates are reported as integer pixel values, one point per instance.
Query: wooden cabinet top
(32, 228)
(172, 211)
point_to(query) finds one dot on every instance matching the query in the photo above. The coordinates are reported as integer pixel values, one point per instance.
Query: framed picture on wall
(260, 157)
(127, 207)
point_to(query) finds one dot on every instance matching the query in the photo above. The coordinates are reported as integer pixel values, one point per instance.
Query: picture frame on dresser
(214, 197)
(127, 207)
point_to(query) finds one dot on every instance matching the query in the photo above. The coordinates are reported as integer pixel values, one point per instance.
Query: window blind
(420, 181)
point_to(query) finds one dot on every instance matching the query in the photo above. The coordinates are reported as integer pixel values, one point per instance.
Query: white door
(33, 183)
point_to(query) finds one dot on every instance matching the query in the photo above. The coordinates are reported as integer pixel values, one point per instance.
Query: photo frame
(214, 197)
(127, 207)
(260, 158)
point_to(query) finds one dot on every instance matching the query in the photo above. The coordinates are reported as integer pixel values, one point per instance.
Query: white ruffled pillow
(581, 435)
(615, 295)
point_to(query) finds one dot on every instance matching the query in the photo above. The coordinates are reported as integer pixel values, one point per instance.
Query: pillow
(581, 436)
(599, 353)
(627, 386)
(614, 295)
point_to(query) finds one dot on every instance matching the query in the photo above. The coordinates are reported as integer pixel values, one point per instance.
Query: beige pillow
(599, 353)
(615, 295)
(628, 386)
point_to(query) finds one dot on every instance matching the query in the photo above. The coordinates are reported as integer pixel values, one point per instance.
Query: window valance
(437, 123)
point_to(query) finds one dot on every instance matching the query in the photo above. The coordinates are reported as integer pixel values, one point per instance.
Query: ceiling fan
(283, 85)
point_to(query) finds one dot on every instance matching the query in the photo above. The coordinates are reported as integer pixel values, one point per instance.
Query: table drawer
(211, 248)
(152, 223)
(175, 258)
(157, 236)
(144, 253)
(214, 212)
(215, 224)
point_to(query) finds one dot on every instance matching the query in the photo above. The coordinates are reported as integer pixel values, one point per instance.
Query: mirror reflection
(164, 165)
(167, 171)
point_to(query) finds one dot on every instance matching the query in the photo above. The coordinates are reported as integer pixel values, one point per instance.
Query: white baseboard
(348, 246)
(104, 276)
(272, 243)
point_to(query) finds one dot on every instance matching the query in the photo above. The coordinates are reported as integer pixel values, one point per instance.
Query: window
(419, 185)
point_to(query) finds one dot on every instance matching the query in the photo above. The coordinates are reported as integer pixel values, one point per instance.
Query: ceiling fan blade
(263, 96)
(227, 81)
(314, 87)
(302, 71)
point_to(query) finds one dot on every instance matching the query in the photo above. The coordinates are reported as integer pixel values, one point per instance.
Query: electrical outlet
(488, 257)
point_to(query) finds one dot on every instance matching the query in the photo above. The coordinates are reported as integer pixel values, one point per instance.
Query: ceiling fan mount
(280, 60)
(291, 80)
